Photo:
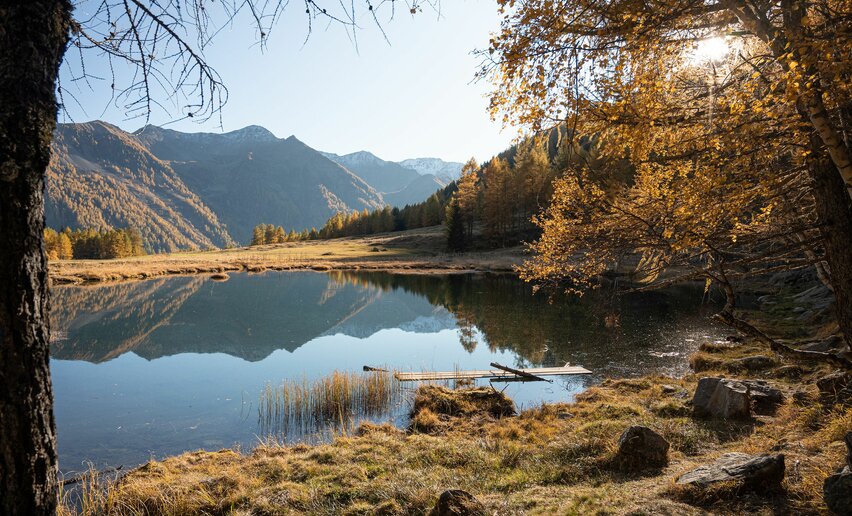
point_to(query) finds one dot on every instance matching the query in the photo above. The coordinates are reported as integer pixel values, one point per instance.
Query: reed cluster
(337, 401)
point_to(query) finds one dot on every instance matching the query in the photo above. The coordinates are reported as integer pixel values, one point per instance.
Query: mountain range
(202, 190)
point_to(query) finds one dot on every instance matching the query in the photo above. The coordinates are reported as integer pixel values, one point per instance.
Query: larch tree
(467, 194)
(155, 52)
(735, 117)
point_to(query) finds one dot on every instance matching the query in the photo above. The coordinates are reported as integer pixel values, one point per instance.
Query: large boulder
(720, 398)
(764, 398)
(455, 502)
(640, 447)
(837, 492)
(765, 471)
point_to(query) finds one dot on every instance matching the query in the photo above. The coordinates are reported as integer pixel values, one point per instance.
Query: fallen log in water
(496, 373)
(520, 372)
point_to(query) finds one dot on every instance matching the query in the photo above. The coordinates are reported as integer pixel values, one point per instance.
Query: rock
(764, 399)
(668, 389)
(703, 392)
(640, 447)
(726, 399)
(833, 383)
(456, 502)
(764, 471)
(755, 362)
(837, 492)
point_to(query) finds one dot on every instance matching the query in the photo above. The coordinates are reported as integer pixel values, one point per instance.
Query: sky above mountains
(414, 97)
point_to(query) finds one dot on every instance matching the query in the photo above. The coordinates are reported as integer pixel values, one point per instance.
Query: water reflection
(162, 366)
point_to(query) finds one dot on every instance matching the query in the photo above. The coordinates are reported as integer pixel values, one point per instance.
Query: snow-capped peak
(434, 166)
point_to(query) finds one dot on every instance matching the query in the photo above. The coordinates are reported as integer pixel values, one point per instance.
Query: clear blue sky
(413, 98)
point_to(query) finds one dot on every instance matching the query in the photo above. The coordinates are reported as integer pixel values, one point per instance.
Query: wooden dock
(495, 374)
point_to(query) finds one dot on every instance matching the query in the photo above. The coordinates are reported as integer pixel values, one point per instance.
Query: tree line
(270, 234)
(92, 243)
(358, 223)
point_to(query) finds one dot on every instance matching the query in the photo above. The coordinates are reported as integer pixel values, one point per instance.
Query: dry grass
(420, 250)
(552, 459)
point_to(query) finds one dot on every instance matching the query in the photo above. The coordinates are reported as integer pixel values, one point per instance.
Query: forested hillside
(101, 177)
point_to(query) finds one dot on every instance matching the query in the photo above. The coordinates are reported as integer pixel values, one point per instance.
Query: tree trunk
(834, 210)
(33, 36)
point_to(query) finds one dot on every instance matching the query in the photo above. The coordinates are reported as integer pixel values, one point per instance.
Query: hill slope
(249, 176)
(101, 177)
(417, 191)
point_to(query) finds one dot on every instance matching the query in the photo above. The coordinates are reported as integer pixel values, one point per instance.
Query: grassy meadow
(419, 250)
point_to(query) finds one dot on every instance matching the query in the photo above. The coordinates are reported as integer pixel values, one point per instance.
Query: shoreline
(410, 252)
(88, 273)
(554, 457)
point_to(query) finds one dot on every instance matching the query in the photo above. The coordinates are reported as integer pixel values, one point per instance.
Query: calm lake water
(155, 368)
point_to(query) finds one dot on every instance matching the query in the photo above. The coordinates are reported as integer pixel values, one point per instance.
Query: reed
(92, 494)
(335, 401)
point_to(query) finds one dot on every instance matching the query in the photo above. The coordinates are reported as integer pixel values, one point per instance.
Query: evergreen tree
(136, 248)
(468, 194)
(280, 235)
(456, 234)
(51, 244)
(258, 235)
(65, 251)
(269, 234)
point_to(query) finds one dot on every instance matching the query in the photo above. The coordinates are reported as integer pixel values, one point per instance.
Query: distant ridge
(398, 184)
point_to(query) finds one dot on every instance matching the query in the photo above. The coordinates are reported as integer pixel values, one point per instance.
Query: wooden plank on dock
(487, 373)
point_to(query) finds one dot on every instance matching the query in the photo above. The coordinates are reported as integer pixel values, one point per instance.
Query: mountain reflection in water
(172, 364)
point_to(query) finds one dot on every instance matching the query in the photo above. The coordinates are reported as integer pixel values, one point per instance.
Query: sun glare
(711, 49)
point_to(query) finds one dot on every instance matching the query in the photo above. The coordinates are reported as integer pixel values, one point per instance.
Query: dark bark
(834, 210)
(33, 36)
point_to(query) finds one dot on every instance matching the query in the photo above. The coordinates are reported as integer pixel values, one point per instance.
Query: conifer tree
(65, 250)
(258, 235)
(280, 236)
(454, 225)
(467, 194)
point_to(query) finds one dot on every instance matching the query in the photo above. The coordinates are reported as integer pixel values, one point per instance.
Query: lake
(154, 368)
